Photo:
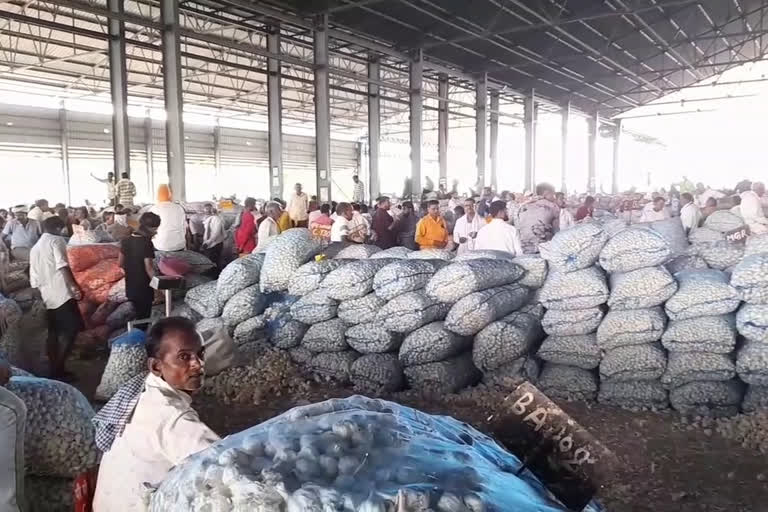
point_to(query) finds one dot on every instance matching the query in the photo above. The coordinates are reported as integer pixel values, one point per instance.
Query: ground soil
(666, 465)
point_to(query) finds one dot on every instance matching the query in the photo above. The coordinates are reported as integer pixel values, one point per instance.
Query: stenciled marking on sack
(537, 416)
(738, 235)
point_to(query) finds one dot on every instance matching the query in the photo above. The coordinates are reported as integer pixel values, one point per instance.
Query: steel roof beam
(596, 53)
(637, 90)
(561, 22)
(245, 48)
(508, 49)
(670, 51)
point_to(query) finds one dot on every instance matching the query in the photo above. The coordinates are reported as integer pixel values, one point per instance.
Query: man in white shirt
(752, 209)
(340, 227)
(162, 429)
(655, 210)
(22, 233)
(110, 182)
(268, 229)
(49, 272)
(566, 217)
(213, 234)
(690, 216)
(298, 208)
(358, 192)
(172, 233)
(359, 227)
(40, 212)
(499, 235)
(706, 194)
(466, 228)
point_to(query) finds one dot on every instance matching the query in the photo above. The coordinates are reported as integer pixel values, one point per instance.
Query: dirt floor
(666, 464)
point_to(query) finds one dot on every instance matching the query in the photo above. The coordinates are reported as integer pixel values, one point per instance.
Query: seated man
(320, 225)
(13, 417)
(163, 428)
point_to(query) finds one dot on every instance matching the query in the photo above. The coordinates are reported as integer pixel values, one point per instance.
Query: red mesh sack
(103, 273)
(83, 257)
(174, 267)
(85, 490)
(98, 295)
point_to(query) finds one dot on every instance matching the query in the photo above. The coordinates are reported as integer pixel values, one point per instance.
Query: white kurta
(651, 215)
(499, 236)
(690, 216)
(752, 212)
(566, 219)
(163, 431)
(463, 228)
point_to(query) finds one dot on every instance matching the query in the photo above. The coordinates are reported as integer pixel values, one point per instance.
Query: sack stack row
(602, 292)
(750, 280)
(381, 319)
(104, 307)
(59, 440)
(574, 295)
(634, 360)
(701, 338)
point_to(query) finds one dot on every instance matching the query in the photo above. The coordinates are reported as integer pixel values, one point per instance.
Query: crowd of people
(513, 223)
(161, 414)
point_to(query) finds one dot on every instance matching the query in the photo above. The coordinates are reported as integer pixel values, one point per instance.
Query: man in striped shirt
(126, 191)
(358, 193)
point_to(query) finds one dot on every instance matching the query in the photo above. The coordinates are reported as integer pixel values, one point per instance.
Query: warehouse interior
(637, 335)
(281, 92)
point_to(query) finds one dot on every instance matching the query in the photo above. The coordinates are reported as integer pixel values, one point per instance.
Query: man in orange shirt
(431, 232)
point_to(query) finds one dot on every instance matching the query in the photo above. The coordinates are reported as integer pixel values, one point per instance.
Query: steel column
(594, 126)
(118, 82)
(442, 128)
(172, 91)
(416, 72)
(149, 153)
(494, 139)
(616, 157)
(322, 109)
(481, 122)
(529, 117)
(275, 114)
(374, 128)
(64, 143)
(217, 156)
(566, 119)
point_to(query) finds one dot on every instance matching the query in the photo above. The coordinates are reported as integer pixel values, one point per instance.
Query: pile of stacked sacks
(11, 347)
(634, 360)
(14, 284)
(59, 442)
(573, 294)
(750, 280)
(104, 306)
(378, 319)
(701, 338)
(709, 247)
(383, 320)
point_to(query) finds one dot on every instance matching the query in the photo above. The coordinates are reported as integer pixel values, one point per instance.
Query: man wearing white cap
(22, 233)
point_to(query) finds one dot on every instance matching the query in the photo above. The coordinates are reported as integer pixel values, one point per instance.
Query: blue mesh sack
(354, 454)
